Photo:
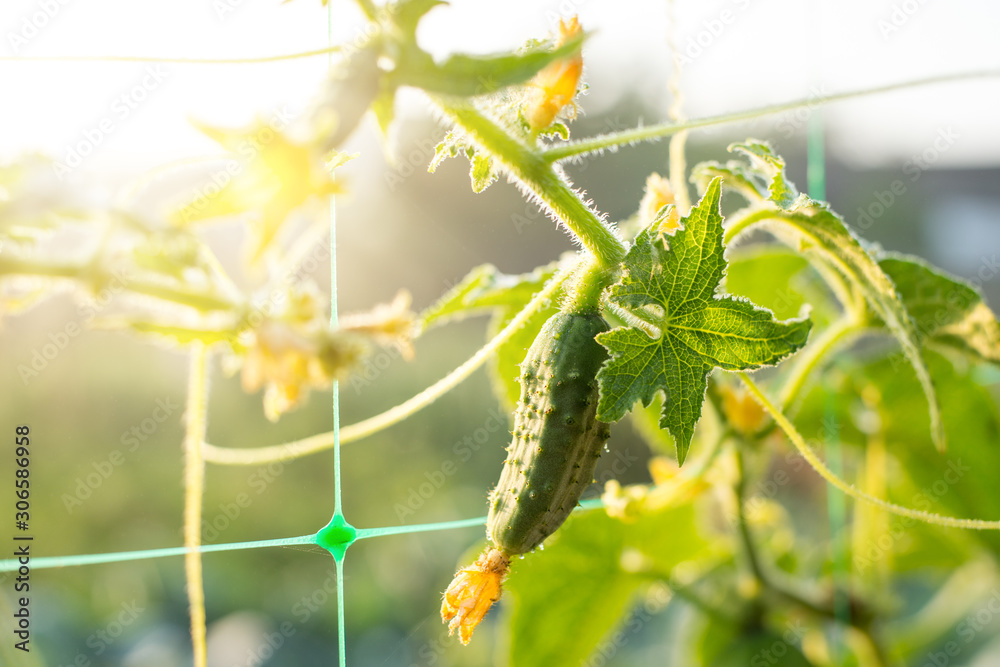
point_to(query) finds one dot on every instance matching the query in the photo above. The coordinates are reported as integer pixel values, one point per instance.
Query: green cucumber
(557, 439)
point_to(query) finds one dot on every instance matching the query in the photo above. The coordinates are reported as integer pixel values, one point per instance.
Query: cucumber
(557, 439)
(556, 443)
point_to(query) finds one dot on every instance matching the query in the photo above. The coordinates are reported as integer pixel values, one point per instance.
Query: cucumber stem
(539, 179)
(587, 284)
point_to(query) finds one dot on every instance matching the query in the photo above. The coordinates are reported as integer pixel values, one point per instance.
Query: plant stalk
(539, 179)
(194, 487)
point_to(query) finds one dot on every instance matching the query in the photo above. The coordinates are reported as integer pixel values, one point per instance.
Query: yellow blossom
(624, 503)
(472, 592)
(659, 193)
(555, 86)
(742, 410)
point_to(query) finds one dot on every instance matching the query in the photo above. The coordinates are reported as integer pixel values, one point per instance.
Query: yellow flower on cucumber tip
(472, 592)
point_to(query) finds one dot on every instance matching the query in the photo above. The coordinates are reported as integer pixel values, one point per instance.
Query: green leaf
(580, 586)
(484, 289)
(384, 108)
(978, 332)
(448, 147)
(682, 329)
(468, 76)
(944, 309)
(460, 301)
(783, 281)
(772, 167)
(482, 173)
(735, 176)
(816, 230)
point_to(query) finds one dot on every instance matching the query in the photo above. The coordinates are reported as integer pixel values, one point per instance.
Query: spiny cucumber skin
(557, 438)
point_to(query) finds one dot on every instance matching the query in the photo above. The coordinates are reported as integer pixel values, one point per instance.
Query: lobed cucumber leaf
(683, 329)
(813, 229)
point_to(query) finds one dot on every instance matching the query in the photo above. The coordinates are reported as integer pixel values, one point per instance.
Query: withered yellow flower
(289, 363)
(742, 410)
(472, 592)
(389, 324)
(293, 351)
(659, 193)
(555, 86)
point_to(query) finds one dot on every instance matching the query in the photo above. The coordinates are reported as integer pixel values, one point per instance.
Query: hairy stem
(174, 61)
(811, 457)
(738, 225)
(367, 427)
(588, 283)
(194, 486)
(661, 130)
(539, 179)
(199, 300)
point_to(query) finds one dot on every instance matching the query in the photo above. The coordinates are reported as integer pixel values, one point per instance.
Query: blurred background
(935, 151)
